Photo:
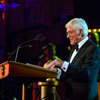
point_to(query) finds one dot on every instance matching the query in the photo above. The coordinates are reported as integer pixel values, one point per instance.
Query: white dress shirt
(65, 65)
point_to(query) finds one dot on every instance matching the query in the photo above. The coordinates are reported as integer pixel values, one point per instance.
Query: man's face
(72, 35)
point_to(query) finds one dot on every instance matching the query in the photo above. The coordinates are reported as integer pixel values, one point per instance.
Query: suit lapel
(71, 53)
(81, 50)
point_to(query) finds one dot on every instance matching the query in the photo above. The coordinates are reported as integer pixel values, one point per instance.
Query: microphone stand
(10, 55)
(17, 53)
(38, 37)
(19, 46)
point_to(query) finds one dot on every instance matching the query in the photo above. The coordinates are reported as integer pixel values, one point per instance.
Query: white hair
(78, 23)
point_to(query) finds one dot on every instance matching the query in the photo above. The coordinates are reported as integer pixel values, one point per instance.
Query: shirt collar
(82, 42)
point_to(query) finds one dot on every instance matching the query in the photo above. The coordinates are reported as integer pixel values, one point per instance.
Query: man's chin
(71, 43)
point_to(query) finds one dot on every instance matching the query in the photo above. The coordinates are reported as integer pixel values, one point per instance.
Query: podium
(21, 70)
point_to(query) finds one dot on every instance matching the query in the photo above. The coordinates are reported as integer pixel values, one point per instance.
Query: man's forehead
(70, 28)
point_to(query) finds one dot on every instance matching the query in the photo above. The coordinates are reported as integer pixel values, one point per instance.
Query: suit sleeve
(85, 71)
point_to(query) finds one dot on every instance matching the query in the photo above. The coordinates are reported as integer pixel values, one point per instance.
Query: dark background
(43, 21)
(38, 22)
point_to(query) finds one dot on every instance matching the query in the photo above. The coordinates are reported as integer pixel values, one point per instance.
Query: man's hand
(55, 63)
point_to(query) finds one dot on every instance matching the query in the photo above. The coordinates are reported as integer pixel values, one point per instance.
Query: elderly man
(80, 71)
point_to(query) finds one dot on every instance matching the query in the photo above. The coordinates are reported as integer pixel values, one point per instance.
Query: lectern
(21, 70)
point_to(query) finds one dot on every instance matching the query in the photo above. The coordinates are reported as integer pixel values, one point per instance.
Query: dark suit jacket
(81, 75)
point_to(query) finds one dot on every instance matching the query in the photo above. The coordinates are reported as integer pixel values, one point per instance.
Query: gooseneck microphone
(38, 37)
(11, 54)
(20, 46)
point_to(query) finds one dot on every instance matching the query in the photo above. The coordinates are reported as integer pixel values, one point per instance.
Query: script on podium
(17, 69)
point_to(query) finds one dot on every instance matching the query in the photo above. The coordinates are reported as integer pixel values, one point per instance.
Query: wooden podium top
(17, 69)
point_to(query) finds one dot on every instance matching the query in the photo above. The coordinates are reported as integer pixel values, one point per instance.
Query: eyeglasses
(69, 33)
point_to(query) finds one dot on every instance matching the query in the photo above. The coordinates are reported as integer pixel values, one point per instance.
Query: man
(80, 71)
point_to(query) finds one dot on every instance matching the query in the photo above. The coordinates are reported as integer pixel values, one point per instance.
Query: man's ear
(81, 33)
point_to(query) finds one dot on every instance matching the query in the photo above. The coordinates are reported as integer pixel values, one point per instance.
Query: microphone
(20, 46)
(10, 55)
(37, 37)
